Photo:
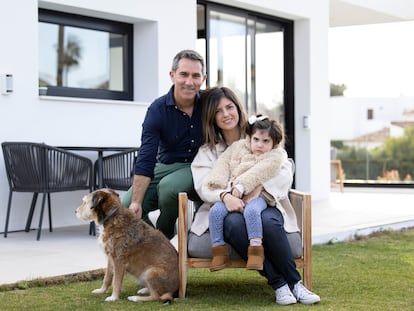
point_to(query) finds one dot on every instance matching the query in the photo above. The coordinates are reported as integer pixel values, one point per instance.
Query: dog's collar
(109, 215)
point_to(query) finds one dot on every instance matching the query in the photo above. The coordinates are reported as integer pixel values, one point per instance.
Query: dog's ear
(96, 199)
(114, 192)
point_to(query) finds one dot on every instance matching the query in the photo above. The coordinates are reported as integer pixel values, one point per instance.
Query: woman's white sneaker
(303, 295)
(284, 296)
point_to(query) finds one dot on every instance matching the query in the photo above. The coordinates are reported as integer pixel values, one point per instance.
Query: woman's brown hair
(210, 100)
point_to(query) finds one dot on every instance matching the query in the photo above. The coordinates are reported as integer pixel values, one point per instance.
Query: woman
(245, 165)
(224, 121)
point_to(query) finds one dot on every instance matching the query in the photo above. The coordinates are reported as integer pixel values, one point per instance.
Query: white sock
(255, 242)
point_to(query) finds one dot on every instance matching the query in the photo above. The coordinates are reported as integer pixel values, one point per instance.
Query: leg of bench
(182, 243)
(307, 241)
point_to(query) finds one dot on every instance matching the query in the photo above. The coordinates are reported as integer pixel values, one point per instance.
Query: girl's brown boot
(221, 258)
(255, 258)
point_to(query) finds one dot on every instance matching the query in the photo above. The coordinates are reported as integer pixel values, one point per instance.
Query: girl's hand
(233, 204)
(253, 195)
(236, 193)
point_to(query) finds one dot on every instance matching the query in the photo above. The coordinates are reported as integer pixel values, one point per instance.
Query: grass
(371, 273)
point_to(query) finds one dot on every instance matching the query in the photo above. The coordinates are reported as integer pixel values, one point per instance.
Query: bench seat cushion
(200, 246)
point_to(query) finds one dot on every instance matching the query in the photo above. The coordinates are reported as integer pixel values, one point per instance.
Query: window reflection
(252, 53)
(269, 70)
(227, 57)
(81, 58)
(247, 55)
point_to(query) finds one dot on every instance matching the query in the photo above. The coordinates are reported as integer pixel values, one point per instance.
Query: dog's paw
(111, 298)
(99, 291)
(143, 291)
(134, 298)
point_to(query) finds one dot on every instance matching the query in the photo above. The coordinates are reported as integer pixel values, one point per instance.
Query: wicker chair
(39, 168)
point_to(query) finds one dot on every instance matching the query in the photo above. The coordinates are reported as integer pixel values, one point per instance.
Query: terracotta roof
(403, 124)
(378, 136)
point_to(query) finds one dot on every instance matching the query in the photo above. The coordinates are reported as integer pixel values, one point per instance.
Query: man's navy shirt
(168, 134)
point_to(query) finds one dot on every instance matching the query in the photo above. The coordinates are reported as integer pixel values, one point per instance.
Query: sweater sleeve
(279, 185)
(267, 167)
(201, 168)
(219, 176)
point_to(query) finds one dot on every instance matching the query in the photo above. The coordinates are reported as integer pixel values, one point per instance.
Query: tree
(337, 89)
(68, 56)
(399, 148)
(397, 154)
(391, 161)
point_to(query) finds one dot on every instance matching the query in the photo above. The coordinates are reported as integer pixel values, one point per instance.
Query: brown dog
(132, 246)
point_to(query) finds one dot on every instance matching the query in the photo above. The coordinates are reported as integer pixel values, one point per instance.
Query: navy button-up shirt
(169, 135)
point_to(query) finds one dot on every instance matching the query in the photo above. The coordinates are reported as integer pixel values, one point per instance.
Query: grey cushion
(200, 246)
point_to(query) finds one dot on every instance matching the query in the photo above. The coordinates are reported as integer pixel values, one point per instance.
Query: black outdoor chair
(39, 168)
(117, 173)
(118, 170)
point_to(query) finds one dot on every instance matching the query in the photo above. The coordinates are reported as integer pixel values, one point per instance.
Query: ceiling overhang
(363, 12)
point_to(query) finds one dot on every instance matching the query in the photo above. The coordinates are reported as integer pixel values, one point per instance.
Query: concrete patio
(357, 211)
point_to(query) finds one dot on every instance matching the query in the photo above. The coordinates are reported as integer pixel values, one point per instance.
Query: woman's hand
(253, 194)
(233, 204)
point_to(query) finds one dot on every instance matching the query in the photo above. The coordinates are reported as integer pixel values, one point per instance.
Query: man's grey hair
(190, 54)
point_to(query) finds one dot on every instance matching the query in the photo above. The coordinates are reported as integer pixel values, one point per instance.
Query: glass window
(252, 54)
(84, 57)
(269, 72)
(227, 51)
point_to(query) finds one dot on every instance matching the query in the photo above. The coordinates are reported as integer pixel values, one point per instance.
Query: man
(171, 136)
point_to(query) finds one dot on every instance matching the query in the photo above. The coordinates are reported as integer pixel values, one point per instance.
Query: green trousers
(162, 194)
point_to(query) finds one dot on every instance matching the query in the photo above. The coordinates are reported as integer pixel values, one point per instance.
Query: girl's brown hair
(273, 127)
(210, 100)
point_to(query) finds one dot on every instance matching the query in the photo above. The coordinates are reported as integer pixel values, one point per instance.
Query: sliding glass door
(247, 52)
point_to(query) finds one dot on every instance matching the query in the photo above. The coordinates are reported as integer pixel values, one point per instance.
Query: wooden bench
(301, 203)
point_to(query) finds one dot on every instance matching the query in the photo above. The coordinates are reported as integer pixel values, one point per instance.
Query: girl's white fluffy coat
(238, 165)
(278, 187)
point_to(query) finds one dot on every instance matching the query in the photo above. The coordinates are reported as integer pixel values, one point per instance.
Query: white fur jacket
(278, 186)
(238, 166)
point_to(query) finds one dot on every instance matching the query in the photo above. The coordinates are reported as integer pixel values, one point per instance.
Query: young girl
(245, 165)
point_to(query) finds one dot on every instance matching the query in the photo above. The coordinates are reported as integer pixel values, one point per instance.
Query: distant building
(369, 121)
(377, 138)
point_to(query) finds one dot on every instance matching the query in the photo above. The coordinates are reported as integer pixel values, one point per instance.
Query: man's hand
(139, 187)
(136, 208)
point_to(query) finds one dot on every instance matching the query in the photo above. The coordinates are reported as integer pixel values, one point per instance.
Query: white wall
(24, 116)
(159, 34)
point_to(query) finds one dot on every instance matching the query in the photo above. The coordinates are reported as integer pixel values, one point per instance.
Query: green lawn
(375, 273)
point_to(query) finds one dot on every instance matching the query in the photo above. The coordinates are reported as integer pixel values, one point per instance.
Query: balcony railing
(378, 172)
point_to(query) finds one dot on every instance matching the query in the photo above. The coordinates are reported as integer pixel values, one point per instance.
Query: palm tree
(68, 56)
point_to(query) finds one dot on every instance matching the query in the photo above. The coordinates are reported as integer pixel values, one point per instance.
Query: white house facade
(160, 29)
